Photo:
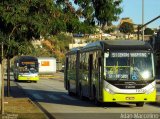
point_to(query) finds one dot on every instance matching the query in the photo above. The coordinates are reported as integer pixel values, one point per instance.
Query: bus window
(117, 68)
(131, 66)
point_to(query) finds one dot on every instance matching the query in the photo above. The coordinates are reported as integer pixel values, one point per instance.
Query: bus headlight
(150, 90)
(145, 74)
(109, 90)
(106, 87)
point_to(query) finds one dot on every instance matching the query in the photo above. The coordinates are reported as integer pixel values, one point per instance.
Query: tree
(103, 11)
(73, 18)
(107, 11)
(110, 30)
(126, 28)
(58, 45)
(93, 11)
(25, 20)
(148, 31)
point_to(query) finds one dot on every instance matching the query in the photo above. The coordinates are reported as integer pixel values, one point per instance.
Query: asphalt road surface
(51, 96)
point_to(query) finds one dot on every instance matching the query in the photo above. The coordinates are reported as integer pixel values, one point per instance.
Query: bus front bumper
(28, 78)
(108, 97)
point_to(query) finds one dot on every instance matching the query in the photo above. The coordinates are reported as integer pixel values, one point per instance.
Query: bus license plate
(130, 98)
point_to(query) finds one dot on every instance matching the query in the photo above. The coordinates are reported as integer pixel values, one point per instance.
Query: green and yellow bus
(112, 71)
(26, 69)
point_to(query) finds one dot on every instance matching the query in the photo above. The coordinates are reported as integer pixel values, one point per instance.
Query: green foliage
(126, 28)
(54, 46)
(73, 18)
(20, 21)
(107, 11)
(148, 31)
(103, 11)
(40, 52)
(110, 30)
(25, 20)
(61, 42)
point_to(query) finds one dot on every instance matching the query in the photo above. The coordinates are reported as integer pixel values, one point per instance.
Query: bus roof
(27, 58)
(74, 50)
(118, 45)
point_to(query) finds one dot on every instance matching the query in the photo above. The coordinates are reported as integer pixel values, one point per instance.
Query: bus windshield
(129, 66)
(28, 67)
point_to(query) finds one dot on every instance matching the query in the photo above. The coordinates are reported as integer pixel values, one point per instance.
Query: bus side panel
(100, 76)
(71, 73)
(85, 74)
(77, 71)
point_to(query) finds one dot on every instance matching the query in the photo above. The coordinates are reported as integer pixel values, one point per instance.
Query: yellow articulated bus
(26, 69)
(112, 71)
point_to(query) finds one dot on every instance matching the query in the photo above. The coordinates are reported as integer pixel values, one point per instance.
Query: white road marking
(54, 97)
(68, 97)
(37, 96)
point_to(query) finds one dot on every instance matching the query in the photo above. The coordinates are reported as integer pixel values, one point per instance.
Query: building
(47, 65)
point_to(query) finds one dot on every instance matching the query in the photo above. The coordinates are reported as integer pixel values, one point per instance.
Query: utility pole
(140, 27)
(8, 71)
(2, 82)
(8, 76)
(142, 20)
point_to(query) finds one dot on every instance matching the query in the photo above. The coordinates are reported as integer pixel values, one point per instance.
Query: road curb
(158, 99)
(44, 76)
(58, 78)
(32, 100)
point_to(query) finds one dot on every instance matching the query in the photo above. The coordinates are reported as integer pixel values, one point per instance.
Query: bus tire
(139, 104)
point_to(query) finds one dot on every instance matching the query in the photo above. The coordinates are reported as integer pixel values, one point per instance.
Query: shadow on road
(63, 98)
(57, 97)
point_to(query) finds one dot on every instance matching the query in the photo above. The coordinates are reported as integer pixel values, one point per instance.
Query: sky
(133, 10)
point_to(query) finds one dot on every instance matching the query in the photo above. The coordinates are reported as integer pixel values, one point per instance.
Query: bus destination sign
(120, 54)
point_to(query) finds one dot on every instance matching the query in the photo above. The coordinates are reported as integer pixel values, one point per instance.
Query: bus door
(90, 67)
(99, 77)
(77, 73)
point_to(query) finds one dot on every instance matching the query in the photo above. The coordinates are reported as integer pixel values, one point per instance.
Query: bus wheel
(35, 81)
(139, 104)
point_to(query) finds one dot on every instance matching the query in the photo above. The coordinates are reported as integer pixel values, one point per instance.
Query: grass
(21, 108)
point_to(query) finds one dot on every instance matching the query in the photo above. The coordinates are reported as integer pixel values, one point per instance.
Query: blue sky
(133, 9)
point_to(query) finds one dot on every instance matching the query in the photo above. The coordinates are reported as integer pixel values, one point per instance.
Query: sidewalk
(56, 76)
(158, 95)
(18, 106)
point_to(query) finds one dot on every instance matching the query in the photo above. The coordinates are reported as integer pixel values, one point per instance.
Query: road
(51, 95)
